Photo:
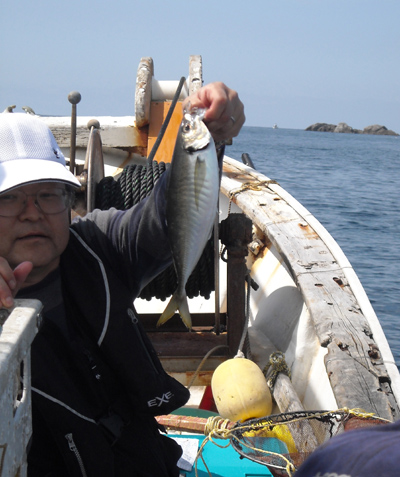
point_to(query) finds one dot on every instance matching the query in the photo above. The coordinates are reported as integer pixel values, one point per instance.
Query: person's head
(35, 193)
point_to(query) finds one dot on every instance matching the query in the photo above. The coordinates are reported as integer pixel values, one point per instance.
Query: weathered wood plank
(118, 132)
(201, 321)
(335, 308)
(357, 373)
(356, 383)
(194, 344)
(302, 249)
(288, 401)
(353, 362)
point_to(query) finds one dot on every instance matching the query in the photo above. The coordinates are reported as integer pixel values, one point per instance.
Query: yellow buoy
(240, 390)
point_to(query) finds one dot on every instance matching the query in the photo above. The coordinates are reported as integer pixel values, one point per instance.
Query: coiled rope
(134, 184)
(277, 364)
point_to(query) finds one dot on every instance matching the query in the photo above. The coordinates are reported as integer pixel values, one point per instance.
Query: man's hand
(225, 112)
(11, 281)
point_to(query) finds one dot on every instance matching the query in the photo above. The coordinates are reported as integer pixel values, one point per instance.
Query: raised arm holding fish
(192, 198)
(193, 183)
(224, 115)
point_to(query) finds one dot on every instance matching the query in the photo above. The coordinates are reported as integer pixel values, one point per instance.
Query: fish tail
(180, 303)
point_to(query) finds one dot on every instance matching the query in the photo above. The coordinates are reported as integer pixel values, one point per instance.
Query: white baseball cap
(29, 153)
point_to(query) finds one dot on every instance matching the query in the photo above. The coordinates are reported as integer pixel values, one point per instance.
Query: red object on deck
(207, 401)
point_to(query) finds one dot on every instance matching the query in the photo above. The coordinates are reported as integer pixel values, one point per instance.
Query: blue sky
(293, 62)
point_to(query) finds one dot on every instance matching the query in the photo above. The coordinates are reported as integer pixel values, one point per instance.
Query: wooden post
(94, 163)
(236, 234)
(195, 73)
(143, 91)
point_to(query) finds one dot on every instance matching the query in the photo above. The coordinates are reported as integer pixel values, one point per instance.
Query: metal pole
(236, 234)
(216, 273)
(74, 97)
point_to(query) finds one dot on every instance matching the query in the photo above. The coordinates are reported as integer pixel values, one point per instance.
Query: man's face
(33, 235)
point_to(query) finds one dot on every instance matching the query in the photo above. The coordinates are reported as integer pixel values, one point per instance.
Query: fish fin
(184, 313)
(169, 311)
(200, 171)
(180, 303)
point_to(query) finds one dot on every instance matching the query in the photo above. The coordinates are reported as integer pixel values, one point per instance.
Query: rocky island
(345, 128)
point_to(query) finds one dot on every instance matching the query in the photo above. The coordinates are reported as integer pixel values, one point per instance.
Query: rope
(278, 365)
(244, 344)
(3, 449)
(357, 412)
(167, 120)
(200, 366)
(255, 186)
(217, 428)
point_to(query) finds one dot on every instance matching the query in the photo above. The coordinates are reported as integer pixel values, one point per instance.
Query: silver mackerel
(192, 200)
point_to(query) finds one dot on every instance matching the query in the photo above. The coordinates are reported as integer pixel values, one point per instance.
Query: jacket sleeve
(133, 242)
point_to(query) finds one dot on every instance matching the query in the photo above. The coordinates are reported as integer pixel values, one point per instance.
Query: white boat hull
(311, 304)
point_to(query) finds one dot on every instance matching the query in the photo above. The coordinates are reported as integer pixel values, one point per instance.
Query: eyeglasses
(49, 201)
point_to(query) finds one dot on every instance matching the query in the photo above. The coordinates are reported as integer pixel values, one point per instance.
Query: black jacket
(96, 379)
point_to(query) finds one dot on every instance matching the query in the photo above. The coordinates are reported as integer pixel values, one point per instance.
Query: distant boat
(275, 126)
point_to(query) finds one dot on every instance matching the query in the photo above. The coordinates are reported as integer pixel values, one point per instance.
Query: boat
(275, 126)
(282, 285)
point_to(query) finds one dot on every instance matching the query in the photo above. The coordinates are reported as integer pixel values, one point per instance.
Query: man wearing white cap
(96, 379)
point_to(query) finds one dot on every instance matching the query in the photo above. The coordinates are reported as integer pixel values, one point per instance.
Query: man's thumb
(21, 273)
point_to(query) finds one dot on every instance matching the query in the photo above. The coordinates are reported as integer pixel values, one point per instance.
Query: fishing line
(164, 126)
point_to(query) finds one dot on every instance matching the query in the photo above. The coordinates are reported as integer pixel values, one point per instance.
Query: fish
(191, 204)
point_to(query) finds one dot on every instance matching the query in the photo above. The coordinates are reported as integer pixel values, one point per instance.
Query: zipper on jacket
(135, 321)
(74, 449)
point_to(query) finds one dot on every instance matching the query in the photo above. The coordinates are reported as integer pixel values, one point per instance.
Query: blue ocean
(351, 184)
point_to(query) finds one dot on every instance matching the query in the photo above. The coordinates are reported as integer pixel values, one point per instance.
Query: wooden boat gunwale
(304, 231)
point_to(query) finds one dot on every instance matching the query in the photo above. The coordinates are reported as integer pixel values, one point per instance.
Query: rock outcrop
(377, 129)
(345, 128)
(323, 127)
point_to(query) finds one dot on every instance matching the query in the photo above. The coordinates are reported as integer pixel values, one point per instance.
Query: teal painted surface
(224, 462)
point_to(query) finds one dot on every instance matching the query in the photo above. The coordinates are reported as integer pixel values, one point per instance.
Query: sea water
(351, 183)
